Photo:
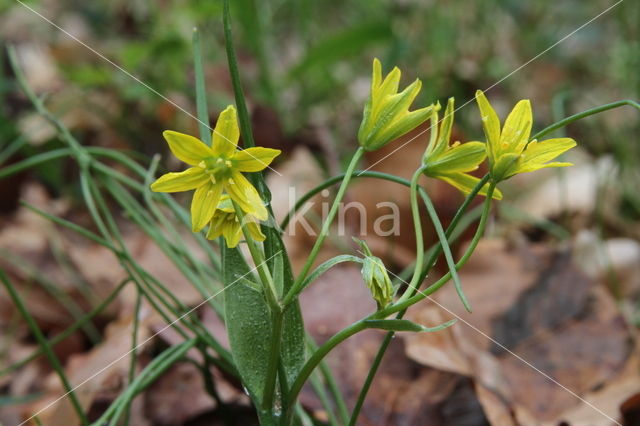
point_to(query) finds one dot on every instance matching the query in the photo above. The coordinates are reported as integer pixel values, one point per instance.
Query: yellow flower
(216, 169)
(509, 149)
(386, 113)
(225, 222)
(452, 163)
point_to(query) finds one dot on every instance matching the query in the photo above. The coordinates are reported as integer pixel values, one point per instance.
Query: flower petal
(255, 232)
(465, 183)
(245, 195)
(203, 205)
(537, 154)
(517, 128)
(226, 133)
(444, 137)
(187, 148)
(460, 158)
(187, 180)
(490, 123)
(232, 234)
(215, 227)
(254, 159)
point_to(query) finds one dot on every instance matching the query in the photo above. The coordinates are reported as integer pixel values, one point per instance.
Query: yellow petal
(245, 195)
(189, 179)
(517, 128)
(465, 183)
(255, 232)
(444, 137)
(461, 158)
(215, 227)
(376, 78)
(490, 123)
(254, 159)
(203, 205)
(232, 234)
(537, 154)
(187, 148)
(226, 133)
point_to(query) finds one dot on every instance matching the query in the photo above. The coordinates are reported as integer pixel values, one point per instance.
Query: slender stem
(417, 225)
(397, 307)
(258, 259)
(134, 352)
(584, 114)
(315, 359)
(243, 113)
(360, 325)
(336, 179)
(201, 92)
(295, 288)
(44, 344)
(428, 265)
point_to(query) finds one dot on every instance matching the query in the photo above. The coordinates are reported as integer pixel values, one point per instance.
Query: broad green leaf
(292, 348)
(247, 321)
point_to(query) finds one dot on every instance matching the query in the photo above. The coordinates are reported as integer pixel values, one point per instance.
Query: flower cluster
(508, 149)
(216, 176)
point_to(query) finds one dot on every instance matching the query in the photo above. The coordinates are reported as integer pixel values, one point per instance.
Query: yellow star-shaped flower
(452, 163)
(216, 169)
(386, 113)
(509, 149)
(225, 223)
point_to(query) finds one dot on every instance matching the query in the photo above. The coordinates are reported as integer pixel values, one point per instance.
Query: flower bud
(375, 277)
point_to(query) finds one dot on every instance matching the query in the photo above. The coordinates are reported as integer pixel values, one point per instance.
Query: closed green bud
(375, 277)
(386, 113)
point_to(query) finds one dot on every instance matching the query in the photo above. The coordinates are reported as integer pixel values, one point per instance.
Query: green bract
(386, 113)
(452, 163)
(509, 149)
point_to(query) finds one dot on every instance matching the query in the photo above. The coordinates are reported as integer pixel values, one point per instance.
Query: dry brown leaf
(531, 301)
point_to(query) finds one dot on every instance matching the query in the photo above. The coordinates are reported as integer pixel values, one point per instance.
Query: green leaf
(404, 325)
(247, 321)
(292, 348)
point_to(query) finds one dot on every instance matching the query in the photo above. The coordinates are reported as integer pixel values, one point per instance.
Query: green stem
(397, 307)
(428, 265)
(295, 288)
(316, 358)
(417, 225)
(201, 93)
(243, 113)
(260, 262)
(337, 179)
(360, 325)
(46, 348)
(584, 114)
